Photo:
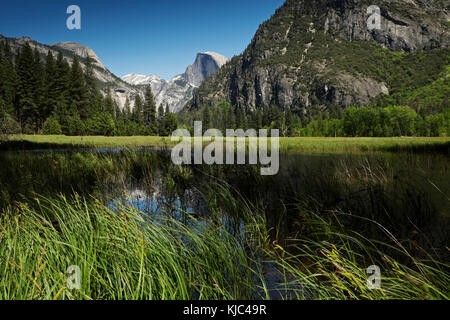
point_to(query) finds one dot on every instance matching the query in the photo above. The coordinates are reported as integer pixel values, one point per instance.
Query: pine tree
(50, 87)
(62, 94)
(27, 108)
(161, 112)
(170, 124)
(150, 109)
(95, 97)
(62, 83)
(11, 80)
(89, 76)
(117, 112)
(79, 98)
(7, 123)
(161, 115)
(109, 106)
(137, 115)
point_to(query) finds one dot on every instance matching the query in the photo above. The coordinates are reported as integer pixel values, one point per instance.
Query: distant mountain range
(311, 56)
(179, 90)
(175, 93)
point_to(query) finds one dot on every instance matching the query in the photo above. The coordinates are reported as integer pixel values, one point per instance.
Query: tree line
(392, 121)
(50, 96)
(352, 122)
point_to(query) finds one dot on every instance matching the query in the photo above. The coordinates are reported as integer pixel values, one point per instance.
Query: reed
(121, 254)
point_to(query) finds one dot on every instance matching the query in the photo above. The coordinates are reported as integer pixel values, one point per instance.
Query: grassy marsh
(221, 232)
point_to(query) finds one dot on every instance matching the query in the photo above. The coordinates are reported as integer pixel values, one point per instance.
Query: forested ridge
(314, 68)
(50, 96)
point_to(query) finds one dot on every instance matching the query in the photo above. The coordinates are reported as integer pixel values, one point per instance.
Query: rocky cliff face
(206, 64)
(108, 82)
(322, 52)
(179, 91)
(81, 51)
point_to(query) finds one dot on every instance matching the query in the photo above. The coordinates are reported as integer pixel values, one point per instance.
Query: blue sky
(147, 37)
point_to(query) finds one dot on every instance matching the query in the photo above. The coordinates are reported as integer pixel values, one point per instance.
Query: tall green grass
(121, 255)
(331, 263)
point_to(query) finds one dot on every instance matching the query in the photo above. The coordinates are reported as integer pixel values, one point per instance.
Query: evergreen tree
(161, 112)
(27, 108)
(10, 80)
(170, 124)
(95, 97)
(109, 106)
(79, 97)
(8, 125)
(62, 83)
(149, 111)
(89, 77)
(117, 112)
(137, 115)
(161, 116)
(50, 87)
(38, 78)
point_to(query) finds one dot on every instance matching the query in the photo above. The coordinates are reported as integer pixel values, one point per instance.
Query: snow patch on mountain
(139, 79)
(179, 90)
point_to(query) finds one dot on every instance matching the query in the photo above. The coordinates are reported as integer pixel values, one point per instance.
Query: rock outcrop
(322, 52)
(206, 64)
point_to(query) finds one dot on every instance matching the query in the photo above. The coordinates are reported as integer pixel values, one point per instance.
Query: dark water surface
(402, 190)
(406, 193)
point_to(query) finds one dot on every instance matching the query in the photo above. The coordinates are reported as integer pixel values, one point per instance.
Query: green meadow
(286, 144)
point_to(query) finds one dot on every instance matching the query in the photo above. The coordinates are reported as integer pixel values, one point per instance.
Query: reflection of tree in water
(404, 193)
